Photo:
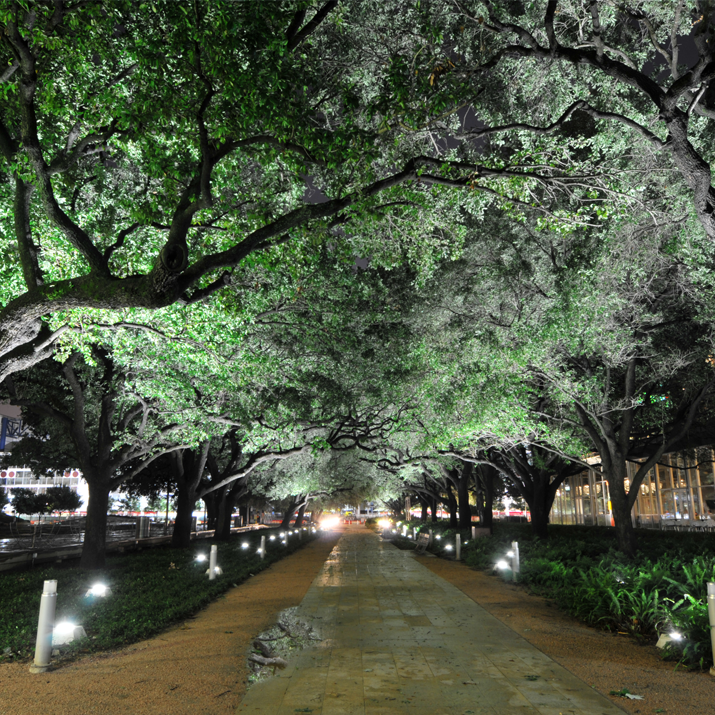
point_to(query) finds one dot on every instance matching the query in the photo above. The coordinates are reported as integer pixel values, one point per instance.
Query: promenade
(396, 638)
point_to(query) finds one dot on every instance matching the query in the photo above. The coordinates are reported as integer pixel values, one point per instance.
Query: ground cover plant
(151, 590)
(663, 590)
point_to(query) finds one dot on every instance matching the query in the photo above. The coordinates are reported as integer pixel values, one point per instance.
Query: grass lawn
(151, 590)
(664, 590)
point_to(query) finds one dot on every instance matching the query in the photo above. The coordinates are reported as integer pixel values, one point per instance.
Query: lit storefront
(679, 492)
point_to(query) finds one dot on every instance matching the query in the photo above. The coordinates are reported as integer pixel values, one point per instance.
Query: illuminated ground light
(448, 547)
(201, 557)
(244, 545)
(99, 590)
(66, 632)
(502, 564)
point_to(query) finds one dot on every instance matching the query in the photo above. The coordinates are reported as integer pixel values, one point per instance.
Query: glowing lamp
(99, 590)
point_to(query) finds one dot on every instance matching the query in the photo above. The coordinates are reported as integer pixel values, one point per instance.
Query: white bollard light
(431, 538)
(414, 533)
(711, 616)
(212, 562)
(263, 547)
(515, 567)
(45, 626)
(458, 548)
(404, 530)
(474, 532)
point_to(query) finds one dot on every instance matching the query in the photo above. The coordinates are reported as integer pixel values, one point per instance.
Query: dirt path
(194, 669)
(604, 661)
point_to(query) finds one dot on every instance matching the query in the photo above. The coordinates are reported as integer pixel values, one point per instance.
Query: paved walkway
(399, 639)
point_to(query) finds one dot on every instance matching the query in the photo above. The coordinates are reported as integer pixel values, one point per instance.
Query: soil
(199, 667)
(604, 660)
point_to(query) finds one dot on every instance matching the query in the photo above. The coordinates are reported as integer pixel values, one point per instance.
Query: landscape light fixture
(244, 545)
(510, 554)
(273, 538)
(66, 632)
(99, 590)
(438, 537)
(448, 547)
(676, 636)
(201, 557)
(502, 564)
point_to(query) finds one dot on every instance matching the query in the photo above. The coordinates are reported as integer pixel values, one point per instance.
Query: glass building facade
(678, 493)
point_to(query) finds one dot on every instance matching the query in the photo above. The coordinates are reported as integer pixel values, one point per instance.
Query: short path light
(66, 632)
(214, 570)
(262, 550)
(244, 545)
(45, 626)
(448, 547)
(201, 557)
(99, 590)
(458, 548)
(272, 538)
(515, 566)
(501, 565)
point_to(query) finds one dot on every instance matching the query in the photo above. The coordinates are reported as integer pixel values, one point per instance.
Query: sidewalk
(399, 639)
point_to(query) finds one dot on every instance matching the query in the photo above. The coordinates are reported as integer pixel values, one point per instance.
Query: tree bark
(212, 500)
(465, 508)
(189, 467)
(452, 504)
(95, 532)
(539, 507)
(488, 474)
(616, 474)
(423, 504)
(434, 507)
(288, 514)
(185, 503)
(299, 516)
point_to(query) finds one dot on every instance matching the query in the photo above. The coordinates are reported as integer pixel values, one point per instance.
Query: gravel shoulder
(196, 668)
(603, 660)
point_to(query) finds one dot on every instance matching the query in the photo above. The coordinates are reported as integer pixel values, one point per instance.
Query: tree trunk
(452, 503)
(185, 503)
(434, 508)
(487, 515)
(95, 532)
(616, 476)
(299, 516)
(465, 508)
(212, 500)
(188, 467)
(539, 515)
(288, 514)
(423, 515)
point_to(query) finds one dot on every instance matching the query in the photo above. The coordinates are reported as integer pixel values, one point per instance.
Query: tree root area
(605, 661)
(197, 668)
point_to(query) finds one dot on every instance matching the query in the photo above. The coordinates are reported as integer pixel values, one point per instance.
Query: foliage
(151, 590)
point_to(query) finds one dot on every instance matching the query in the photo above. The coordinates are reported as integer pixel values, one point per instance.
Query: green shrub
(151, 590)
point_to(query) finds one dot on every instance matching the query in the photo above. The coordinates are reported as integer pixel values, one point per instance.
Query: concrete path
(399, 639)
